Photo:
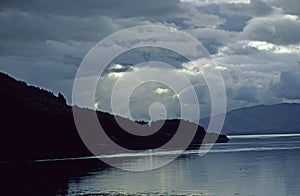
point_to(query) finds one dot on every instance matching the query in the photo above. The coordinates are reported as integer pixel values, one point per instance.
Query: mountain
(35, 124)
(262, 119)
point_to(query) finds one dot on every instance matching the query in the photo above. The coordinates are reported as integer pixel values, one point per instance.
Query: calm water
(256, 165)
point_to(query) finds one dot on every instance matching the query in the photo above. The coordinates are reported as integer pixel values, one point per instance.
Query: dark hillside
(35, 124)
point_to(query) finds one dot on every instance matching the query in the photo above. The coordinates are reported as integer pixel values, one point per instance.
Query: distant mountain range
(35, 124)
(262, 119)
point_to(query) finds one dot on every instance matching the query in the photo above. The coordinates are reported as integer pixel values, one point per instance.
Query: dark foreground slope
(35, 124)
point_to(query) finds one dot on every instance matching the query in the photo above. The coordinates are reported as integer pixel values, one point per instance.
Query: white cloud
(116, 75)
(161, 91)
(117, 66)
(277, 29)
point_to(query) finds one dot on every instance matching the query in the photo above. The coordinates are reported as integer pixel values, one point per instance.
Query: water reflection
(251, 172)
(43, 178)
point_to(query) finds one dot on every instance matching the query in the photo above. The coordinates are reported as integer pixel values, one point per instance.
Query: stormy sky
(255, 44)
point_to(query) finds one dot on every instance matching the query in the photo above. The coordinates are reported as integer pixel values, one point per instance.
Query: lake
(246, 165)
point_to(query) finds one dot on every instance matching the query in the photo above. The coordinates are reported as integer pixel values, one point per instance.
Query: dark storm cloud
(28, 27)
(90, 20)
(87, 8)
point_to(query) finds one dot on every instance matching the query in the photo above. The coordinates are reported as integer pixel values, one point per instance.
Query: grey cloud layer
(256, 45)
(288, 86)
